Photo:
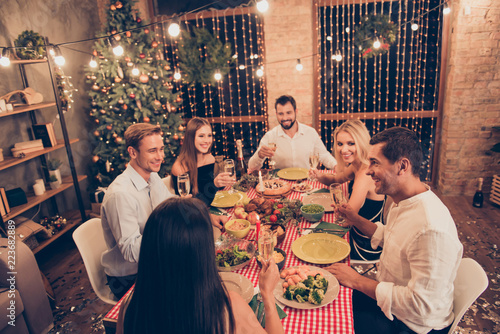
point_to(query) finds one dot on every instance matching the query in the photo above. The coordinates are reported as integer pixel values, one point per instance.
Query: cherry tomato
(218, 252)
(280, 206)
(276, 212)
(273, 218)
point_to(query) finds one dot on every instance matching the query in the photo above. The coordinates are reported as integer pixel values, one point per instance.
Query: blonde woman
(351, 146)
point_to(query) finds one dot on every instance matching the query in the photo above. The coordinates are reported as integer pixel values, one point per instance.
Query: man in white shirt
(294, 141)
(421, 252)
(129, 201)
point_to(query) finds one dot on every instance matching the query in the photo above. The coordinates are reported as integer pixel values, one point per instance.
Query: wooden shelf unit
(23, 109)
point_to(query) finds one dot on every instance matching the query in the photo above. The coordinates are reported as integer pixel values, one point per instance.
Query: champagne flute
(230, 168)
(272, 163)
(338, 199)
(183, 184)
(266, 244)
(313, 162)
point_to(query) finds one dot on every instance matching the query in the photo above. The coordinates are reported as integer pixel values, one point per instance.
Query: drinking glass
(272, 163)
(230, 168)
(183, 184)
(313, 163)
(266, 244)
(338, 199)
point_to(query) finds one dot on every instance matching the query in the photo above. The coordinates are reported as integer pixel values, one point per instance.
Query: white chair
(89, 238)
(469, 284)
(166, 181)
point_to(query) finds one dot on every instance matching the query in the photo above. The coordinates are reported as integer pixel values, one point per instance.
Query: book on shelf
(45, 132)
(17, 152)
(4, 204)
(29, 144)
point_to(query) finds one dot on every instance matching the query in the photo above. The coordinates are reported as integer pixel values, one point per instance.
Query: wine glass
(230, 168)
(338, 199)
(272, 163)
(183, 184)
(313, 163)
(266, 244)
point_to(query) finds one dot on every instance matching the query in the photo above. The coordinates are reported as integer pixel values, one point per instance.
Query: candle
(261, 183)
(38, 189)
(257, 229)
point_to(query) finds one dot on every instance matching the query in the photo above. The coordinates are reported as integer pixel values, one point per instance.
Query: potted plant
(53, 167)
(54, 182)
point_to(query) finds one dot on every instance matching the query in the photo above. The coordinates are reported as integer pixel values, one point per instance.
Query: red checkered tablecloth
(335, 317)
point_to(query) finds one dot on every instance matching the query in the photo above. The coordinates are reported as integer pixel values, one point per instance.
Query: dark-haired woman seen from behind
(178, 288)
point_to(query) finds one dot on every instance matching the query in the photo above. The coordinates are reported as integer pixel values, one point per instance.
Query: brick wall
(472, 98)
(288, 36)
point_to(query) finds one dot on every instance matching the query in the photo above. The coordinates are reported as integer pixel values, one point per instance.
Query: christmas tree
(132, 88)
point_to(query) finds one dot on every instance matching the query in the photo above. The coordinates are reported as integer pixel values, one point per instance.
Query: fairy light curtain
(235, 105)
(398, 87)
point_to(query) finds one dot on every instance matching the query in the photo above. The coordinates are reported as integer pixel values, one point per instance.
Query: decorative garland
(32, 45)
(199, 65)
(372, 27)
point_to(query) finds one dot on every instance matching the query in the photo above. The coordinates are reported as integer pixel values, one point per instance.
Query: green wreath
(200, 66)
(30, 44)
(372, 27)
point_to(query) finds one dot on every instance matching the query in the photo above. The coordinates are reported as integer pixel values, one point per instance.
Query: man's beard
(288, 127)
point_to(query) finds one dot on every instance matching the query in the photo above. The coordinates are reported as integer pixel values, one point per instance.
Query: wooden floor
(78, 310)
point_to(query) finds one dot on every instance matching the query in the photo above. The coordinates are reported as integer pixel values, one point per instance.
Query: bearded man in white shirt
(295, 141)
(421, 253)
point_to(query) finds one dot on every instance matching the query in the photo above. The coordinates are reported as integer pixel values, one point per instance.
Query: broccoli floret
(309, 282)
(321, 283)
(288, 294)
(316, 296)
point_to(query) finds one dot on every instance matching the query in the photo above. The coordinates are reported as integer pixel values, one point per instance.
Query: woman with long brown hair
(196, 159)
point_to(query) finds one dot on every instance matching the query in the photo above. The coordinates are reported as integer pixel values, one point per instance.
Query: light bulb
(241, 67)
(217, 75)
(135, 71)
(93, 62)
(338, 56)
(446, 9)
(117, 48)
(262, 6)
(174, 29)
(58, 57)
(299, 66)
(329, 38)
(347, 29)
(376, 44)
(259, 72)
(4, 59)
(177, 75)
(414, 26)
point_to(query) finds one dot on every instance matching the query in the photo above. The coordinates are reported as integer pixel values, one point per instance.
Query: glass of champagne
(229, 167)
(183, 184)
(338, 199)
(272, 163)
(313, 163)
(266, 244)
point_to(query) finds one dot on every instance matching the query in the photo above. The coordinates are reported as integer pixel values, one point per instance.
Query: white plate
(323, 199)
(238, 283)
(331, 293)
(295, 187)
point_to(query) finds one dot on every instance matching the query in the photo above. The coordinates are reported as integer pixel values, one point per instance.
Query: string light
(299, 66)
(260, 72)
(338, 56)
(376, 44)
(117, 48)
(135, 71)
(446, 9)
(58, 57)
(174, 29)
(414, 26)
(177, 74)
(262, 6)
(93, 62)
(217, 75)
(4, 59)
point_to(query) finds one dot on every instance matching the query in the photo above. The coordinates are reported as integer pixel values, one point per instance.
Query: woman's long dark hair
(188, 156)
(178, 288)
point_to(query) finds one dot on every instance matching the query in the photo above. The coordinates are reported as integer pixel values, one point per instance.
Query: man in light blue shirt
(129, 201)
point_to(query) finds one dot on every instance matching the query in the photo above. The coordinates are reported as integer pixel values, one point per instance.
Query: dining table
(334, 317)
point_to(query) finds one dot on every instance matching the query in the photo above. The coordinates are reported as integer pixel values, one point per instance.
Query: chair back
(469, 284)
(89, 238)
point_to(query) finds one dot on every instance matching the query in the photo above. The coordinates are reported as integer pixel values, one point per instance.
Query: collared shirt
(419, 262)
(293, 152)
(126, 207)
